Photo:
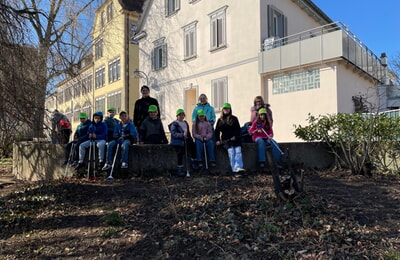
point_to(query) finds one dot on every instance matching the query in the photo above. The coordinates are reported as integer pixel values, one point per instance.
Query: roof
(131, 5)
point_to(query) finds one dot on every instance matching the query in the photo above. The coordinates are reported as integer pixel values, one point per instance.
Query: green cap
(82, 115)
(111, 109)
(200, 112)
(152, 108)
(123, 112)
(179, 111)
(262, 111)
(226, 105)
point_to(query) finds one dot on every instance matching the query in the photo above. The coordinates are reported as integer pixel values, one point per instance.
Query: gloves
(204, 139)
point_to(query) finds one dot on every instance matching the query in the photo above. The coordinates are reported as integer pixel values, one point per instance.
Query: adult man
(142, 106)
(111, 122)
(61, 128)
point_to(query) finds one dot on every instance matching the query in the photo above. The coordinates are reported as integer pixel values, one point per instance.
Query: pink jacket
(255, 134)
(205, 130)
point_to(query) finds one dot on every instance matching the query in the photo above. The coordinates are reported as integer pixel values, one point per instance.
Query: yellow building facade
(106, 77)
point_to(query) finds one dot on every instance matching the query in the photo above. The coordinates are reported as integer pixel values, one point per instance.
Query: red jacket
(260, 134)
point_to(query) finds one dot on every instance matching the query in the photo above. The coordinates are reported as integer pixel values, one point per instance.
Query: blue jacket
(100, 130)
(208, 109)
(177, 138)
(111, 123)
(127, 131)
(82, 131)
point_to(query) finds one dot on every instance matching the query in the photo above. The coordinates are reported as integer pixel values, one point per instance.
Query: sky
(375, 23)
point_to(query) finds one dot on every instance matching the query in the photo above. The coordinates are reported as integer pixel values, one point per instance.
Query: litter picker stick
(270, 138)
(90, 158)
(70, 157)
(111, 178)
(205, 154)
(187, 159)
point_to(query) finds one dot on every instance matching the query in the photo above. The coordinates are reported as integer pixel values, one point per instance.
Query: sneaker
(80, 165)
(238, 169)
(237, 175)
(124, 165)
(106, 167)
(261, 165)
(100, 166)
(194, 165)
(74, 164)
(180, 172)
(213, 164)
(200, 165)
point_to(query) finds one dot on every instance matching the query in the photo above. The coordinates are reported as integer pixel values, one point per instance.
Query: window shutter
(163, 56)
(219, 33)
(270, 21)
(187, 45)
(214, 34)
(153, 63)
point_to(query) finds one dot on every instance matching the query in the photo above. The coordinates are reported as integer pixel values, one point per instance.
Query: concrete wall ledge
(33, 161)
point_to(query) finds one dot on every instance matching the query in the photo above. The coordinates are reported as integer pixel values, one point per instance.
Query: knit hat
(262, 111)
(82, 115)
(200, 112)
(152, 108)
(111, 109)
(179, 111)
(226, 105)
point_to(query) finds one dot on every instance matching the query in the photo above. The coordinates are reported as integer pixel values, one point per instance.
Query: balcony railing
(331, 41)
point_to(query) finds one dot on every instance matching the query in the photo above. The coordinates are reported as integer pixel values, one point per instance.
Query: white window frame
(190, 40)
(277, 23)
(160, 96)
(114, 70)
(172, 6)
(159, 54)
(98, 48)
(218, 28)
(102, 102)
(110, 12)
(100, 77)
(219, 92)
(115, 100)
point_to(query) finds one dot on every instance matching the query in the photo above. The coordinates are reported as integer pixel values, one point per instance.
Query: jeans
(75, 151)
(209, 148)
(125, 151)
(261, 145)
(100, 145)
(235, 157)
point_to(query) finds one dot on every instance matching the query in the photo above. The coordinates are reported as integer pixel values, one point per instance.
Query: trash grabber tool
(205, 154)
(111, 178)
(70, 158)
(90, 159)
(272, 140)
(94, 159)
(187, 159)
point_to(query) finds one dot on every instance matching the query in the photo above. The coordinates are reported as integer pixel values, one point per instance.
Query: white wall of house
(246, 29)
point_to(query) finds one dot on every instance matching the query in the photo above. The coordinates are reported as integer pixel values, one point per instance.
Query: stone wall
(41, 161)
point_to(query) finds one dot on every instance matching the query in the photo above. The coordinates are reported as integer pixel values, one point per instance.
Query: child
(181, 140)
(124, 134)
(97, 134)
(152, 130)
(111, 122)
(261, 131)
(81, 135)
(202, 132)
(228, 126)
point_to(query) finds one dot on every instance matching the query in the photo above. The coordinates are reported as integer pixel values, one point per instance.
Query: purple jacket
(205, 130)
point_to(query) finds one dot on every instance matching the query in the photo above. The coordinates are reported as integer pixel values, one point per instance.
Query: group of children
(198, 144)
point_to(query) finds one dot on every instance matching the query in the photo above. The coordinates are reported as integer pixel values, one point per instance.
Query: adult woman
(228, 129)
(259, 103)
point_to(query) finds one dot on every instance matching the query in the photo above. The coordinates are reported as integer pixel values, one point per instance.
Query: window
(77, 90)
(219, 91)
(87, 108)
(98, 49)
(60, 97)
(110, 11)
(87, 84)
(114, 100)
(68, 93)
(77, 110)
(102, 18)
(159, 54)
(114, 70)
(298, 81)
(218, 28)
(189, 37)
(171, 6)
(100, 104)
(277, 23)
(100, 79)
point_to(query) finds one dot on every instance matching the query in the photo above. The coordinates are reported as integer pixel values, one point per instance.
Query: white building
(287, 51)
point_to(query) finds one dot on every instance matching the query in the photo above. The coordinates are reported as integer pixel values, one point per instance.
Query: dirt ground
(339, 216)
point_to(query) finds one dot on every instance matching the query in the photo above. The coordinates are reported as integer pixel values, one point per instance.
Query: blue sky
(375, 23)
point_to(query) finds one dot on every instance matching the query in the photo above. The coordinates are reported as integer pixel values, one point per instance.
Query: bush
(358, 141)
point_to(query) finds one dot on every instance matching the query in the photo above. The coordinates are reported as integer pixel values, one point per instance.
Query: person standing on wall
(61, 128)
(140, 112)
(207, 109)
